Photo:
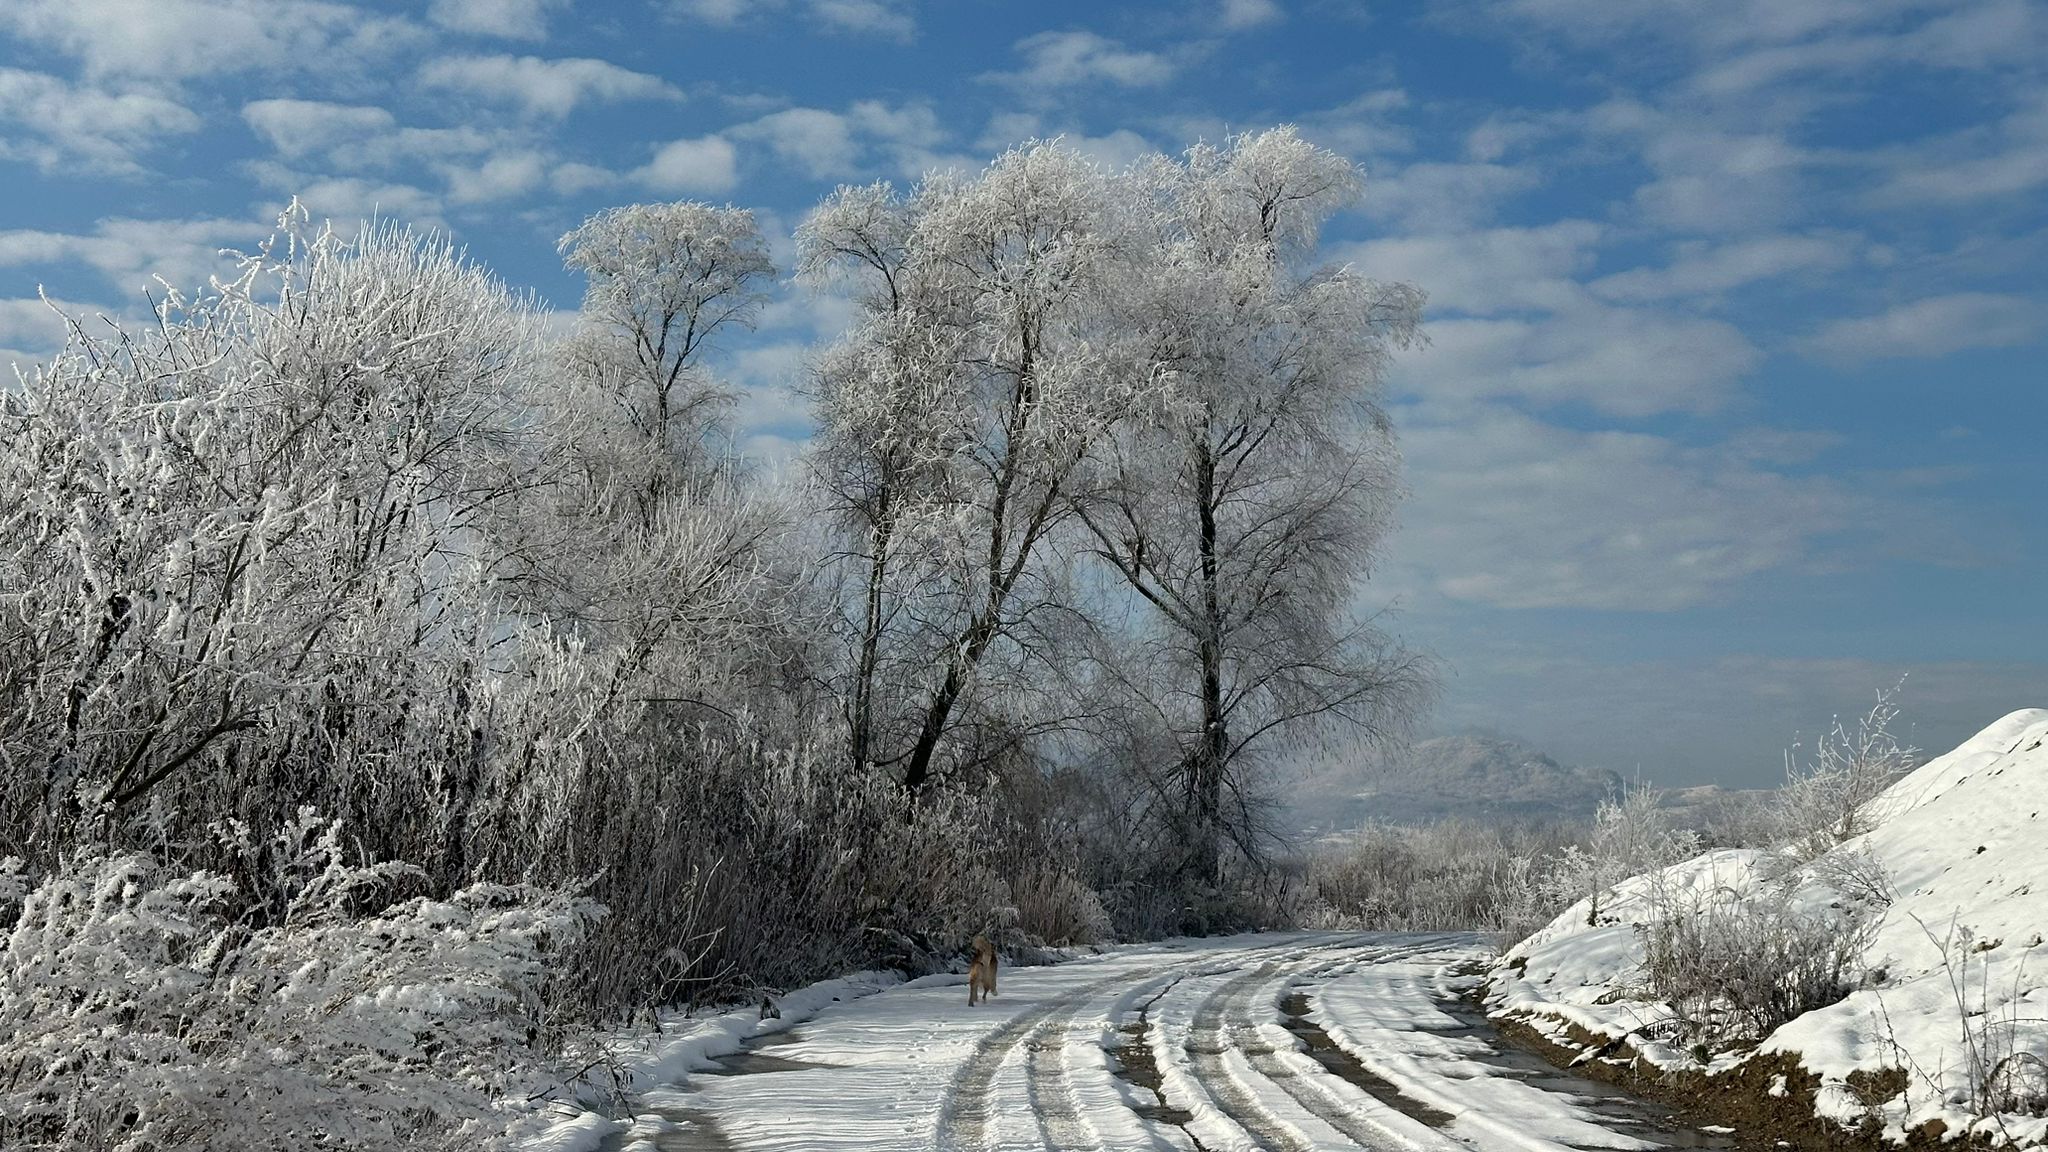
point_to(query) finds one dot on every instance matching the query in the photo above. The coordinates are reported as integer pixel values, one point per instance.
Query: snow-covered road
(1286, 1042)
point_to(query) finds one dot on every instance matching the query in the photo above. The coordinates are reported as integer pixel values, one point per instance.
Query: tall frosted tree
(1247, 509)
(663, 282)
(660, 548)
(955, 419)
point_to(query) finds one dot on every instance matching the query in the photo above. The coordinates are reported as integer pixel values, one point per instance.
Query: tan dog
(981, 975)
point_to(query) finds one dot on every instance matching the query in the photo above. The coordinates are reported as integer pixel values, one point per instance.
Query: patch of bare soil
(1740, 1098)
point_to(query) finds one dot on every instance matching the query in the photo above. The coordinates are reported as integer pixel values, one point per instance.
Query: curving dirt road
(1286, 1042)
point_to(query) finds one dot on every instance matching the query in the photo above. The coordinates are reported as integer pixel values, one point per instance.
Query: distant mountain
(1488, 778)
(1485, 778)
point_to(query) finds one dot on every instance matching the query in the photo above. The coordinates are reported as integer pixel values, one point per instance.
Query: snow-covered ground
(1283, 1041)
(1951, 984)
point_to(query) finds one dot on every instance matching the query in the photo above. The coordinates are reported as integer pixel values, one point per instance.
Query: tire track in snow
(1225, 1023)
(1206, 1047)
(1314, 1089)
(1051, 1093)
(1043, 1033)
(964, 1115)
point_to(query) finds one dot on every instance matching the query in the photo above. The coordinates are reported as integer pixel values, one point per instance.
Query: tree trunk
(1206, 770)
(1002, 571)
(862, 734)
(918, 772)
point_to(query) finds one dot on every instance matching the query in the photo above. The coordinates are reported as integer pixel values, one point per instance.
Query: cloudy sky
(1735, 408)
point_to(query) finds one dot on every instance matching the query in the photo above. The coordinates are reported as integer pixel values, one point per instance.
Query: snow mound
(1950, 994)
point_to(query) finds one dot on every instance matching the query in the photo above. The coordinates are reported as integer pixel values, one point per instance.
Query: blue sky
(1734, 410)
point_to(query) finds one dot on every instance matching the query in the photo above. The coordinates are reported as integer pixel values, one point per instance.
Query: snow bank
(1952, 988)
(681, 1044)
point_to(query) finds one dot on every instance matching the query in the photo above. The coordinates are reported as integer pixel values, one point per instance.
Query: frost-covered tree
(653, 541)
(219, 529)
(1247, 508)
(664, 280)
(954, 421)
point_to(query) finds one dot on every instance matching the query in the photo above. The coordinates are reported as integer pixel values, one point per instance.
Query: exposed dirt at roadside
(1739, 1098)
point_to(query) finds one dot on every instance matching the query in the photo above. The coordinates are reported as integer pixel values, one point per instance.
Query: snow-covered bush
(1735, 966)
(1446, 876)
(1829, 791)
(1631, 835)
(758, 864)
(1055, 906)
(213, 525)
(143, 1007)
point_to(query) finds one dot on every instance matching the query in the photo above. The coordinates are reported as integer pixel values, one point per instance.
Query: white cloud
(821, 143)
(705, 164)
(574, 179)
(1056, 60)
(1705, 269)
(508, 19)
(1513, 512)
(871, 17)
(1970, 37)
(1114, 149)
(1935, 326)
(543, 88)
(819, 317)
(1509, 318)
(869, 136)
(1709, 175)
(1444, 197)
(502, 177)
(1703, 28)
(299, 128)
(887, 18)
(349, 200)
(1364, 126)
(723, 13)
(351, 141)
(2007, 159)
(186, 39)
(909, 129)
(1250, 13)
(1627, 362)
(129, 253)
(1497, 135)
(1487, 272)
(766, 374)
(78, 126)
(31, 329)
(1714, 182)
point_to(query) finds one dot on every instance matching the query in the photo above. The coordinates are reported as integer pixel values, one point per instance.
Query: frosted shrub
(1055, 906)
(140, 1010)
(1449, 876)
(1631, 835)
(1735, 968)
(776, 866)
(233, 543)
(2004, 1044)
(1829, 791)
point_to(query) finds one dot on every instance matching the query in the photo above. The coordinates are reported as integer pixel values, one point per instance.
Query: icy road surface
(1285, 1042)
